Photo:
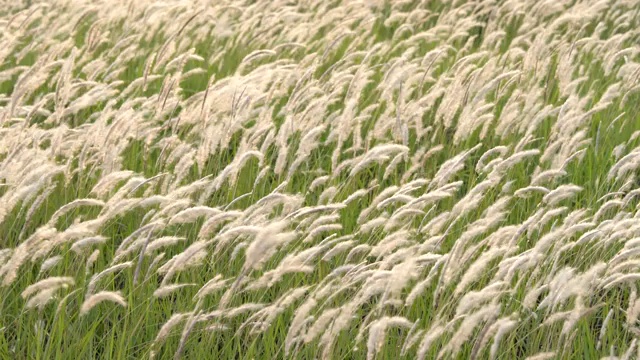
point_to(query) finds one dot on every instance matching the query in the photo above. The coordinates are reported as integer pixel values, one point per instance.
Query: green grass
(357, 66)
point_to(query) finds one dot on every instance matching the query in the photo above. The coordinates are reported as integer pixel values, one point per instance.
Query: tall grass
(319, 179)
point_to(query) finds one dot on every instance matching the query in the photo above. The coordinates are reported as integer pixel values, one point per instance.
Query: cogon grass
(438, 182)
(99, 297)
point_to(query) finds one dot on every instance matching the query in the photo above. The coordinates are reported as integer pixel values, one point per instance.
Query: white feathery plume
(95, 299)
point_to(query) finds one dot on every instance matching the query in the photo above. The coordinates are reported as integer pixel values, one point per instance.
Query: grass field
(303, 179)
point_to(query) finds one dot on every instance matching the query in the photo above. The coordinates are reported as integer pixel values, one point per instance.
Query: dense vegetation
(319, 179)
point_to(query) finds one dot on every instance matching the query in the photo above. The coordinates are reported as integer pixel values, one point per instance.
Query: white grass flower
(167, 290)
(166, 328)
(192, 214)
(81, 245)
(111, 270)
(542, 356)
(50, 263)
(49, 283)
(377, 333)
(95, 299)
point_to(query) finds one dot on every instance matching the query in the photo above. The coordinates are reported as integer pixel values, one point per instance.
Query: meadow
(335, 179)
